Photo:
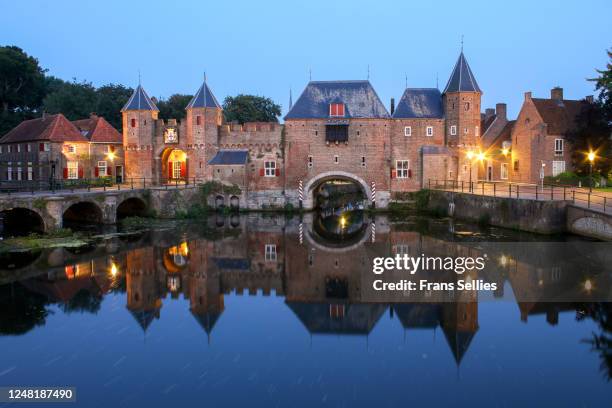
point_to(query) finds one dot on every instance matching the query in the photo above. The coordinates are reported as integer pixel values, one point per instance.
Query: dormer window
(336, 109)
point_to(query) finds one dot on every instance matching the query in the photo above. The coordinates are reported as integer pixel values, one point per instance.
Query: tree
(76, 100)
(110, 99)
(594, 128)
(250, 108)
(22, 87)
(173, 107)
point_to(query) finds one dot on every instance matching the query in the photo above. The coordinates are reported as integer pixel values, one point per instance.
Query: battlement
(251, 127)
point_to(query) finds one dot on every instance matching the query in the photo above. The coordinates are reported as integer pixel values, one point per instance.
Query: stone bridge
(45, 212)
(589, 222)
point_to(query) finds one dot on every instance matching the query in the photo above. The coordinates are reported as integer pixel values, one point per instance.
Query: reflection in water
(322, 268)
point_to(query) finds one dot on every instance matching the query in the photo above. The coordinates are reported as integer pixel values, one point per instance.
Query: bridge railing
(543, 192)
(95, 184)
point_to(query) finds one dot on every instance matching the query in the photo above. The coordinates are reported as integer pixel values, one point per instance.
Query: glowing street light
(342, 222)
(113, 269)
(588, 285)
(111, 156)
(591, 157)
(505, 151)
(481, 156)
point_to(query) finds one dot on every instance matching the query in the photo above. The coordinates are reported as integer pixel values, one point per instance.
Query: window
(9, 149)
(9, 171)
(402, 167)
(133, 123)
(198, 120)
(18, 148)
(28, 147)
(504, 171)
(408, 131)
(559, 147)
(270, 169)
(73, 170)
(516, 165)
(30, 172)
(336, 109)
(401, 249)
(47, 147)
(465, 130)
(363, 161)
(429, 131)
(453, 130)
(309, 161)
(270, 251)
(71, 148)
(19, 176)
(336, 159)
(466, 106)
(558, 167)
(102, 169)
(476, 131)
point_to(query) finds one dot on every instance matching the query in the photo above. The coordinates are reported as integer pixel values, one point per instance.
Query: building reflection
(328, 287)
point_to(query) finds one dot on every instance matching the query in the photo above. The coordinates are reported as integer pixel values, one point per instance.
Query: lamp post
(470, 156)
(542, 175)
(591, 157)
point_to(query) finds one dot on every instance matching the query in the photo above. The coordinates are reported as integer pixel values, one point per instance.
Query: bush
(569, 178)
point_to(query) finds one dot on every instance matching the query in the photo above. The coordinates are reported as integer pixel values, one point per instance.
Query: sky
(269, 47)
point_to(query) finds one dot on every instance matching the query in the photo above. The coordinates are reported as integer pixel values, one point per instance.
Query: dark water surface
(268, 311)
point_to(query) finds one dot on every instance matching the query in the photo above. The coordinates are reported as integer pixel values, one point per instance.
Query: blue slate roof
(420, 103)
(204, 98)
(462, 79)
(359, 98)
(139, 101)
(230, 157)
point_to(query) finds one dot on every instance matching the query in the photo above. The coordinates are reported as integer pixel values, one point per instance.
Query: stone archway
(132, 207)
(82, 213)
(20, 221)
(173, 165)
(314, 182)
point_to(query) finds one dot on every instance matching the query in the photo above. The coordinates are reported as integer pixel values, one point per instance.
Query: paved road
(597, 200)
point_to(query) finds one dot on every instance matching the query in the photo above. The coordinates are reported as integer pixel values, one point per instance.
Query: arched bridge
(50, 211)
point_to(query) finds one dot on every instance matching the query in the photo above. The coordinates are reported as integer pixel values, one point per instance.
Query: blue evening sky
(266, 47)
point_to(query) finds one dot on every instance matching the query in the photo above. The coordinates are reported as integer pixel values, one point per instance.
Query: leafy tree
(76, 100)
(594, 128)
(174, 106)
(110, 99)
(250, 108)
(22, 87)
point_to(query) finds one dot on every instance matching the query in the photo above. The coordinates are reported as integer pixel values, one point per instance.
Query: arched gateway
(311, 186)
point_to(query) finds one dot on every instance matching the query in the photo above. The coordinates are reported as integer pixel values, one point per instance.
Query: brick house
(53, 148)
(539, 136)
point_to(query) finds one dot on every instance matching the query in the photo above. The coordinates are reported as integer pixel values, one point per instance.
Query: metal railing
(542, 192)
(96, 184)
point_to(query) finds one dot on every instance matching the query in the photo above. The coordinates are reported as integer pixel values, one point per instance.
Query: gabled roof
(462, 79)
(140, 101)
(419, 103)
(229, 157)
(359, 98)
(98, 130)
(204, 98)
(52, 128)
(559, 115)
(491, 139)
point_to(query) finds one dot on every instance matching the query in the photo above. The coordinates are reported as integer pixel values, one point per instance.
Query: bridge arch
(82, 212)
(20, 221)
(132, 207)
(312, 184)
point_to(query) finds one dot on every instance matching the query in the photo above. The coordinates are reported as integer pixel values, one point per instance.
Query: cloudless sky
(266, 47)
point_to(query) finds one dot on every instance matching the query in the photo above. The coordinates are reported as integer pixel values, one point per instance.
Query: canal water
(257, 310)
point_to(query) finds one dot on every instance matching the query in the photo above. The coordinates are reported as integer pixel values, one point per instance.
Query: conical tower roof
(139, 101)
(204, 98)
(462, 79)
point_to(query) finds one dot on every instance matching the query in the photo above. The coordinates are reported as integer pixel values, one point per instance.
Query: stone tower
(462, 107)
(204, 116)
(139, 120)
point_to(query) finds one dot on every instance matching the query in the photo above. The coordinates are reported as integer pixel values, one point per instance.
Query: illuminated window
(504, 171)
(9, 171)
(71, 148)
(30, 172)
(73, 170)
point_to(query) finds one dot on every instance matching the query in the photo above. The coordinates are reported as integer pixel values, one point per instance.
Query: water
(237, 311)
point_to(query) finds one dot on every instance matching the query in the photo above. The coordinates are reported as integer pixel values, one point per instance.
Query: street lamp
(470, 156)
(591, 157)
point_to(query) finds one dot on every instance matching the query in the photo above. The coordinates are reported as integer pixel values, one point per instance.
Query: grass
(603, 189)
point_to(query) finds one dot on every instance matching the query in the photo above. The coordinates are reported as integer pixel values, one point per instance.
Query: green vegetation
(569, 178)
(173, 107)
(250, 108)
(59, 238)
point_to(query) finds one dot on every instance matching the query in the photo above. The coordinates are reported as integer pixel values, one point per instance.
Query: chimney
(392, 105)
(589, 98)
(93, 115)
(489, 112)
(556, 93)
(500, 111)
(527, 95)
